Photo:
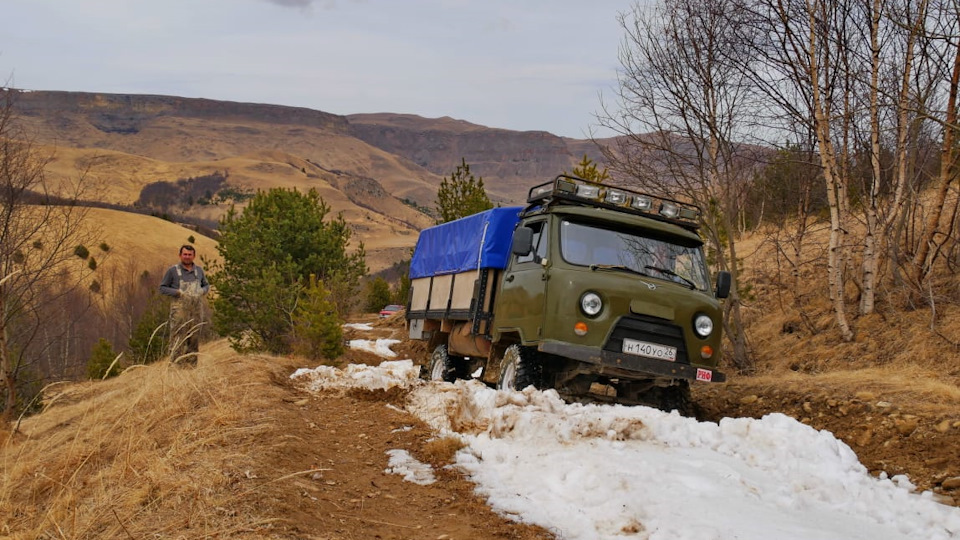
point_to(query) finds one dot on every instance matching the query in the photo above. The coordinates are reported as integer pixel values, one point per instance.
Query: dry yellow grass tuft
(439, 452)
(156, 452)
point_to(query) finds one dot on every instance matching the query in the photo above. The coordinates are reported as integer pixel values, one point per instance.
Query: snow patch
(609, 471)
(412, 470)
(380, 347)
(588, 471)
(398, 373)
(358, 326)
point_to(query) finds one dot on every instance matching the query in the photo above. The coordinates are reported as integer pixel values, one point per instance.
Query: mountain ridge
(380, 170)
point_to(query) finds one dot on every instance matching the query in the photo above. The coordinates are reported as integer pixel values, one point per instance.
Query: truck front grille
(648, 329)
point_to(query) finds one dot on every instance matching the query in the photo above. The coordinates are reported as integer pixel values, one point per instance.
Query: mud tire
(676, 398)
(520, 368)
(443, 367)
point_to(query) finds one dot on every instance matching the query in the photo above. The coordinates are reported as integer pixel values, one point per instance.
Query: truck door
(521, 301)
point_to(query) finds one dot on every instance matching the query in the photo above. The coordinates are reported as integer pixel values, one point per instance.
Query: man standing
(186, 283)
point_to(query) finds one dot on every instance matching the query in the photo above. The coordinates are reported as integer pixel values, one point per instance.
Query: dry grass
(902, 383)
(157, 452)
(439, 452)
(909, 345)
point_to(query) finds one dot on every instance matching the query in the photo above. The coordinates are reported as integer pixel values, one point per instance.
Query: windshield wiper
(620, 267)
(671, 273)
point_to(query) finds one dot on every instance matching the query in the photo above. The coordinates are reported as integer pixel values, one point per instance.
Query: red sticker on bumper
(704, 375)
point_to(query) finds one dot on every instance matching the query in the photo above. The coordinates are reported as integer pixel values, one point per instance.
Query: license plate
(650, 350)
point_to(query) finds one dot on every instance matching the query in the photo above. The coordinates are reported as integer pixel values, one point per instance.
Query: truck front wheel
(677, 398)
(444, 367)
(520, 368)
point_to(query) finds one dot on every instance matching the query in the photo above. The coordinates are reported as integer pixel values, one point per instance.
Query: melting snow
(380, 347)
(402, 463)
(609, 471)
(400, 373)
(358, 326)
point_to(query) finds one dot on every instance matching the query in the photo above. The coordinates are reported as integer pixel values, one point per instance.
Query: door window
(539, 251)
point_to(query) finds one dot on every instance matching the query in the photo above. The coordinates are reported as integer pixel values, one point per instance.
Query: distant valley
(192, 158)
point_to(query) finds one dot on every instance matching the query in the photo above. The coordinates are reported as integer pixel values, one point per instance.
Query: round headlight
(591, 304)
(702, 325)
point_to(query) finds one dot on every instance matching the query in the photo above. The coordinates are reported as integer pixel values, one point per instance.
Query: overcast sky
(514, 64)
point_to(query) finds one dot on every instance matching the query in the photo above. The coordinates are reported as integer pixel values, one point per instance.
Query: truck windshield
(657, 257)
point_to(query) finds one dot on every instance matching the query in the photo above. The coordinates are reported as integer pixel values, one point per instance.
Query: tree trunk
(924, 259)
(738, 336)
(7, 380)
(893, 225)
(871, 254)
(836, 193)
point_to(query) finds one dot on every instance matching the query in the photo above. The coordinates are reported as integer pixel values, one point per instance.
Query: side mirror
(522, 241)
(723, 284)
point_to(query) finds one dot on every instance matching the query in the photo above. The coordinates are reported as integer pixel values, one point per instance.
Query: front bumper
(631, 363)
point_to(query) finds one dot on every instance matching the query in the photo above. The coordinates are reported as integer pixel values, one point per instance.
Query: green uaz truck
(596, 291)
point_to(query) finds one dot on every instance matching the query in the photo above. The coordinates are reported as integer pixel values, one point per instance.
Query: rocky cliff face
(124, 113)
(510, 162)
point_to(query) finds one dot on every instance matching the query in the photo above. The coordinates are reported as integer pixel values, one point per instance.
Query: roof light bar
(689, 213)
(578, 190)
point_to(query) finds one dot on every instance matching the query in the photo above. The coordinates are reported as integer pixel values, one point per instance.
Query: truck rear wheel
(520, 368)
(444, 367)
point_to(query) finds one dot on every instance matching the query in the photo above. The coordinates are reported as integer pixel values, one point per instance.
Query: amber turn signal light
(706, 352)
(580, 329)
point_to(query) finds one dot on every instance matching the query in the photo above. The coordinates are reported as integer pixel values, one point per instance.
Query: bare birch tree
(901, 89)
(947, 41)
(681, 111)
(798, 67)
(40, 227)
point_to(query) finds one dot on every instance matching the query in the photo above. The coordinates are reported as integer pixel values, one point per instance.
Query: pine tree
(378, 294)
(317, 328)
(587, 170)
(148, 343)
(402, 293)
(267, 253)
(461, 195)
(102, 363)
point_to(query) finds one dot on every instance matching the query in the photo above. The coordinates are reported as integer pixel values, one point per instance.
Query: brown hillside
(378, 170)
(230, 449)
(408, 161)
(140, 242)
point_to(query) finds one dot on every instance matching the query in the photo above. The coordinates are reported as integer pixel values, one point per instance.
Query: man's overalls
(186, 321)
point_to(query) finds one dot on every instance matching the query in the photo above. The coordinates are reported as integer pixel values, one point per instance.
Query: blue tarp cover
(478, 241)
